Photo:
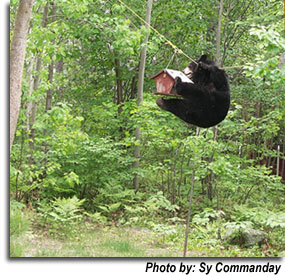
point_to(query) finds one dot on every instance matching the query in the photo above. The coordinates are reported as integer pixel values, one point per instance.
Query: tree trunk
(33, 112)
(29, 103)
(51, 66)
(210, 177)
(218, 34)
(119, 96)
(189, 214)
(133, 87)
(49, 92)
(190, 205)
(140, 92)
(17, 58)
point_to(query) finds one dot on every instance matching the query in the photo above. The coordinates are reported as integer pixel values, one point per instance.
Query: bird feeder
(165, 81)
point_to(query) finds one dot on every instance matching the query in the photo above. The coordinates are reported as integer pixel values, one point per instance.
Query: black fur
(205, 102)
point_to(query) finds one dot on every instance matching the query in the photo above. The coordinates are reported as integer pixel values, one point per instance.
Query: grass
(100, 242)
(118, 242)
(124, 247)
(88, 240)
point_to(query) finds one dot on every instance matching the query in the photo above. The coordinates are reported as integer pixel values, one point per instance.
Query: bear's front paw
(178, 85)
(159, 102)
(178, 81)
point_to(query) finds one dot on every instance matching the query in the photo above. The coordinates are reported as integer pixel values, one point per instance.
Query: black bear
(206, 101)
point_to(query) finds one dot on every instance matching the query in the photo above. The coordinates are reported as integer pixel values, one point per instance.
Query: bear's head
(194, 72)
(194, 66)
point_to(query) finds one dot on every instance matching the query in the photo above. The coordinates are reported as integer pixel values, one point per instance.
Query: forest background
(74, 177)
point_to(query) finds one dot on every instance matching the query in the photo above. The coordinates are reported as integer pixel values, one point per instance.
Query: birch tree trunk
(29, 103)
(140, 91)
(17, 58)
(218, 34)
(51, 66)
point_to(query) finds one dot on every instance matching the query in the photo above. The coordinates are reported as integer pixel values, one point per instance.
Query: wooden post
(140, 91)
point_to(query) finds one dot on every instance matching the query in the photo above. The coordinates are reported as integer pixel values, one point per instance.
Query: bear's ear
(203, 58)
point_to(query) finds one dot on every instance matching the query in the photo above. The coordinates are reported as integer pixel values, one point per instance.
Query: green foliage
(260, 216)
(158, 202)
(19, 224)
(149, 211)
(237, 226)
(208, 215)
(61, 215)
(97, 218)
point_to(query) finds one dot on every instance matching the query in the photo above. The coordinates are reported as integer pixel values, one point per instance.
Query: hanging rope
(157, 32)
(176, 49)
(171, 59)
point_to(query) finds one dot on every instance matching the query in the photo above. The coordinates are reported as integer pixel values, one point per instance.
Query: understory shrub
(61, 215)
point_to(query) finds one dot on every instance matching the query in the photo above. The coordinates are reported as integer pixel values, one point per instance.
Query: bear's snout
(188, 72)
